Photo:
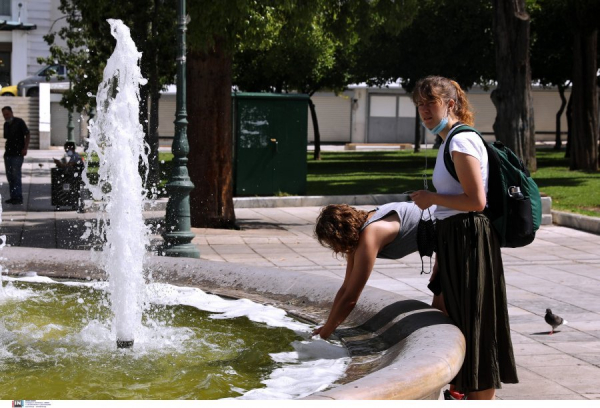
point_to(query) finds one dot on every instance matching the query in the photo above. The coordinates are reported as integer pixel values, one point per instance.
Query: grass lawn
(576, 191)
(392, 172)
(400, 171)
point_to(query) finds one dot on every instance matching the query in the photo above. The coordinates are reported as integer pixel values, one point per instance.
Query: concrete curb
(404, 349)
(317, 201)
(302, 201)
(576, 221)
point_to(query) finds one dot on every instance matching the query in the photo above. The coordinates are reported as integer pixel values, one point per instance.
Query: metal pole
(178, 235)
(70, 127)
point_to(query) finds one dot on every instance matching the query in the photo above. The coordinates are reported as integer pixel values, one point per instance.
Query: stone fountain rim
(417, 367)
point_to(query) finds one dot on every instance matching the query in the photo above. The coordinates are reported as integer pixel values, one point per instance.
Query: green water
(57, 345)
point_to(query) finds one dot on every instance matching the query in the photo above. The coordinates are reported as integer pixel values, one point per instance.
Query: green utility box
(270, 133)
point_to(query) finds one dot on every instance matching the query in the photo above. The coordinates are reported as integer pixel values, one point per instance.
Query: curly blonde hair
(338, 227)
(440, 89)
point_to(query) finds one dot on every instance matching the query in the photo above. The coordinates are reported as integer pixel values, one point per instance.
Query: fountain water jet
(117, 138)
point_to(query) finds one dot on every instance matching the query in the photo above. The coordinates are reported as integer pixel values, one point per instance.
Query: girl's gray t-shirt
(405, 242)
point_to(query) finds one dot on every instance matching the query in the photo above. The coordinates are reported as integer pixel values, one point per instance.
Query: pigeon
(553, 320)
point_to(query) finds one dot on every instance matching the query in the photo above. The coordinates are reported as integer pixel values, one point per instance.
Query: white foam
(313, 365)
(166, 294)
(300, 380)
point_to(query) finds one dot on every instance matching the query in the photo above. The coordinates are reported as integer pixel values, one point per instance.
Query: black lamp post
(178, 235)
(70, 126)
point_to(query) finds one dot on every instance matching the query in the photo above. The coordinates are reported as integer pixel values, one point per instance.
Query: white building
(387, 115)
(23, 25)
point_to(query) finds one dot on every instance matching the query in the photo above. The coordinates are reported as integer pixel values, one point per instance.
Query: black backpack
(514, 205)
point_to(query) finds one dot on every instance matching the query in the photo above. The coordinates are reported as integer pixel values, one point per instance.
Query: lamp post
(177, 235)
(70, 125)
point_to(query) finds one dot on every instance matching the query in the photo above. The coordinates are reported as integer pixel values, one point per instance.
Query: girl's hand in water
(324, 334)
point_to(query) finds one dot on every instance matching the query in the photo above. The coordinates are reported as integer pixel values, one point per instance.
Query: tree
(433, 46)
(317, 52)
(303, 57)
(584, 151)
(514, 124)
(216, 31)
(551, 53)
(89, 45)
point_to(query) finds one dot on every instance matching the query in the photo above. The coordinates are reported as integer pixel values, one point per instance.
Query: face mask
(440, 126)
(426, 238)
(69, 153)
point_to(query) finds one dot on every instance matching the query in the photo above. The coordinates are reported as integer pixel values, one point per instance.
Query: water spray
(117, 138)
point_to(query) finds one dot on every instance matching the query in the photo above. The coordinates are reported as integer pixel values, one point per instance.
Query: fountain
(117, 138)
(400, 348)
(75, 331)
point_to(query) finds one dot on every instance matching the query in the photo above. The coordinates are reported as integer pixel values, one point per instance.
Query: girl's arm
(472, 199)
(358, 270)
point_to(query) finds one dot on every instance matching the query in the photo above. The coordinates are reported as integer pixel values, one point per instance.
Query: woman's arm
(473, 196)
(358, 270)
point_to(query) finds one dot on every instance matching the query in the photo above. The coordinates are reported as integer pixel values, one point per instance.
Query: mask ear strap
(422, 263)
(422, 212)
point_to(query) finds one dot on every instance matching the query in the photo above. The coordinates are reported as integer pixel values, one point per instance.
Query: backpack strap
(495, 196)
(448, 158)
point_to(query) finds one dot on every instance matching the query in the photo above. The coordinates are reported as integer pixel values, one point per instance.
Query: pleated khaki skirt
(471, 276)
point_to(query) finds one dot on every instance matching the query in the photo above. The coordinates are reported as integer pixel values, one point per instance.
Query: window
(5, 8)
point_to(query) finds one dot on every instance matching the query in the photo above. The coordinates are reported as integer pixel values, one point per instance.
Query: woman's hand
(323, 332)
(423, 198)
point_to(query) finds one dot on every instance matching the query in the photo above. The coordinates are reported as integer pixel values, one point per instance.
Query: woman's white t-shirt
(466, 142)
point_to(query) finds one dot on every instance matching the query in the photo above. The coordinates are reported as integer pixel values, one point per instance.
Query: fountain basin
(400, 348)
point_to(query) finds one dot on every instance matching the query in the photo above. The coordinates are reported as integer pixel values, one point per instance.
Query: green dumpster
(270, 133)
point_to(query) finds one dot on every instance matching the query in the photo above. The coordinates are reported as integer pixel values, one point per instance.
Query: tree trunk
(152, 140)
(154, 91)
(569, 126)
(315, 121)
(210, 165)
(584, 149)
(417, 131)
(514, 124)
(143, 118)
(563, 104)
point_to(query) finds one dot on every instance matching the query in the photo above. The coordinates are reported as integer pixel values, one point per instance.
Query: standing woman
(468, 270)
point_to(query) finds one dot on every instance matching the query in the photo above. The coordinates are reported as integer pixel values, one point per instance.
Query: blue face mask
(440, 126)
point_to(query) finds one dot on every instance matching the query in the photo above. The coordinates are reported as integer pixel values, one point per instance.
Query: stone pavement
(559, 270)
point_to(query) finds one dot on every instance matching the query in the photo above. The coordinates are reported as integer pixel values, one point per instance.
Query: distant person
(72, 160)
(468, 275)
(17, 138)
(389, 231)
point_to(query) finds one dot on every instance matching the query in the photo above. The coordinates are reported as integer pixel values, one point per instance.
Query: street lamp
(178, 235)
(70, 125)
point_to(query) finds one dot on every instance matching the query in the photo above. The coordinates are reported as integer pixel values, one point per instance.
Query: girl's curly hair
(338, 227)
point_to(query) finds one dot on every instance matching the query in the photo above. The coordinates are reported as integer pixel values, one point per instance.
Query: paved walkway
(559, 270)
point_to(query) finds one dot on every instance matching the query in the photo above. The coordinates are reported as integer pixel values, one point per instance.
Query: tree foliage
(447, 38)
(275, 45)
(569, 56)
(551, 52)
(89, 43)
(439, 41)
